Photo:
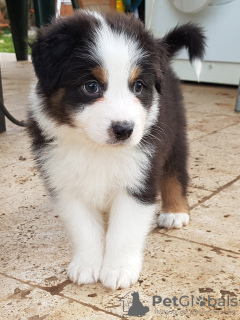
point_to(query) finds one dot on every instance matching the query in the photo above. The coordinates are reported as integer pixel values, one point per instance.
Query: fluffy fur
(109, 135)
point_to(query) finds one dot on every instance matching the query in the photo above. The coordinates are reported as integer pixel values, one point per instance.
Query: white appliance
(220, 19)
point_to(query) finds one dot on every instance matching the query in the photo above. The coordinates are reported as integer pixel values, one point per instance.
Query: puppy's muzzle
(122, 130)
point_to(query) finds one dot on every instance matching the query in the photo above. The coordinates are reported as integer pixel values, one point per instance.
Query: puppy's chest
(95, 175)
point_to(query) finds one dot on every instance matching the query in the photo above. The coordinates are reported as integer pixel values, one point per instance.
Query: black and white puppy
(109, 136)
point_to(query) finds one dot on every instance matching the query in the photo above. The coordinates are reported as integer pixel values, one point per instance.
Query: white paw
(173, 220)
(118, 278)
(120, 272)
(82, 273)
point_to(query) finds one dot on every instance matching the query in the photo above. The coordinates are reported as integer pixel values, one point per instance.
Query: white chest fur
(93, 173)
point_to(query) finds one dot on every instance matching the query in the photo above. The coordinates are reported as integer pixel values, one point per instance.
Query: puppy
(109, 135)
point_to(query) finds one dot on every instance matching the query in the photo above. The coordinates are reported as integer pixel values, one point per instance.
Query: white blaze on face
(118, 55)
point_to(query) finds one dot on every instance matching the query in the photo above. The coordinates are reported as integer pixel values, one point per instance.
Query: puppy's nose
(122, 130)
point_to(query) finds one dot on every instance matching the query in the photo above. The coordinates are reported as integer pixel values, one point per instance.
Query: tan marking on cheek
(173, 199)
(135, 73)
(100, 99)
(100, 74)
(136, 100)
(57, 108)
(57, 96)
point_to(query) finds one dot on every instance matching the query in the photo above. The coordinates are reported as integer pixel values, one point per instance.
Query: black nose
(122, 130)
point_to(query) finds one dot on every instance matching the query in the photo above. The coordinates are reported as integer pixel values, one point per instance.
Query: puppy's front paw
(121, 273)
(83, 273)
(114, 278)
(173, 220)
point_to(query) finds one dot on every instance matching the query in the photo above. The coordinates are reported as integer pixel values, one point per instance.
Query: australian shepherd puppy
(108, 134)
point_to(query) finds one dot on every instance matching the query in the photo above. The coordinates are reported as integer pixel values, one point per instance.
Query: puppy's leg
(86, 231)
(175, 210)
(173, 183)
(129, 225)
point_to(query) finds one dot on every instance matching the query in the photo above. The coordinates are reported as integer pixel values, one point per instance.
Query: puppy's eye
(137, 87)
(91, 87)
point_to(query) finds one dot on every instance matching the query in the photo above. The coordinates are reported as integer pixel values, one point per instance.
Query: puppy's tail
(190, 36)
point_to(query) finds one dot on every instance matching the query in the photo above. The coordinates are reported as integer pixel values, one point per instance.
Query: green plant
(6, 43)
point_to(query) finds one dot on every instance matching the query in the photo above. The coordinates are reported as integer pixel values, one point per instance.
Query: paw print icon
(201, 301)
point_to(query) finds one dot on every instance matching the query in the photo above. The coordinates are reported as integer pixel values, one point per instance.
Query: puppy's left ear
(50, 54)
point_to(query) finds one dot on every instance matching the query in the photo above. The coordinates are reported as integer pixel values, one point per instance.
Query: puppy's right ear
(50, 53)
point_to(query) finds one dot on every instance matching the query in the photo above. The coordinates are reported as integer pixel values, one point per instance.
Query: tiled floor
(201, 260)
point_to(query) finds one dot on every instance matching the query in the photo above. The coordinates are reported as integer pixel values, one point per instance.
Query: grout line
(212, 100)
(202, 244)
(211, 133)
(198, 187)
(56, 290)
(191, 108)
(215, 192)
(90, 306)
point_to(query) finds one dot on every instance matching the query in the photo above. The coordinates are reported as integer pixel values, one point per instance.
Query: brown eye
(137, 87)
(91, 87)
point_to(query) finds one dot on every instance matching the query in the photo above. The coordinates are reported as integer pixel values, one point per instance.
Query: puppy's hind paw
(83, 274)
(173, 220)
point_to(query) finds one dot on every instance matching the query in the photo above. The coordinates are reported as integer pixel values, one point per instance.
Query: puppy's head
(98, 74)
(101, 75)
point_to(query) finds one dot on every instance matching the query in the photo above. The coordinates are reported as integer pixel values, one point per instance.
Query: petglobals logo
(133, 305)
(191, 301)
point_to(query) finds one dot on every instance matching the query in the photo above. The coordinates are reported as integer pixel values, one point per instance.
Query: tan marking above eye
(134, 75)
(100, 74)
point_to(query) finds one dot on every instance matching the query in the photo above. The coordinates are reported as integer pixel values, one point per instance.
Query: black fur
(190, 36)
(61, 52)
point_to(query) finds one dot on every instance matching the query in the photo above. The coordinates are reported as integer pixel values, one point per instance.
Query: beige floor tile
(214, 160)
(198, 95)
(14, 103)
(172, 267)
(24, 302)
(20, 114)
(195, 95)
(77, 311)
(202, 124)
(12, 129)
(216, 222)
(196, 195)
(13, 89)
(11, 145)
(223, 106)
(233, 132)
(35, 247)
(8, 286)
(18, 178)
(15, 70)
